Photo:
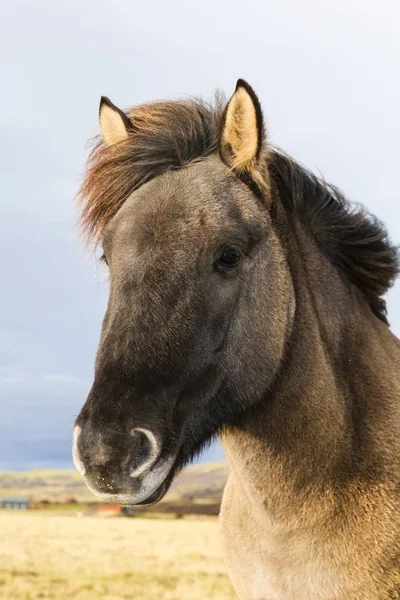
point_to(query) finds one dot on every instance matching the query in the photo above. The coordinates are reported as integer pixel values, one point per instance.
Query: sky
(327, 74)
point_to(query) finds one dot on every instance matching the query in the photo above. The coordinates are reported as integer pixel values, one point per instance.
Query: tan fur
(286, 537)
(241, 130)
(315, 555)
(112, 126)
(240, 138)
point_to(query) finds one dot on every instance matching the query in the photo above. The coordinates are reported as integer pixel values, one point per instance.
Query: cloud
(16, 376)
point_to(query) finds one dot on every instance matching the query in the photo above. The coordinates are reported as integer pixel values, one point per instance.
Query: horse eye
(229, 259)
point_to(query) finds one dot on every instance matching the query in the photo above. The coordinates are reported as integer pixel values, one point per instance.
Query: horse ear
(114, 123)
(242, 134)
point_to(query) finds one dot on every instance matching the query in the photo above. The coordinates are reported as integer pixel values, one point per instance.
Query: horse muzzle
(130, 471)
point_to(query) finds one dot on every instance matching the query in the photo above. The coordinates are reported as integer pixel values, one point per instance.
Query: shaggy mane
(354, 240)
(169, 135)
(164, 136)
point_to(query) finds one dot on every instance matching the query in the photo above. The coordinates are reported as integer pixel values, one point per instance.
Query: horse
(246, 302)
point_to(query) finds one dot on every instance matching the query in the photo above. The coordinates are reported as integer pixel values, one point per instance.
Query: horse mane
(353, 239)
(170, 135)
(164, 136)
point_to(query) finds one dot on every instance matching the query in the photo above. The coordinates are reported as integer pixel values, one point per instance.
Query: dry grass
(204, 482)
(51, 557)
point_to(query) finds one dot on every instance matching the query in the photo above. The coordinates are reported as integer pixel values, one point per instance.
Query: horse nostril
(142, 450)
(147, 451)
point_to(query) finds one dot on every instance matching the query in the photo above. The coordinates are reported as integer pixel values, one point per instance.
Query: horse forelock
(165, 136)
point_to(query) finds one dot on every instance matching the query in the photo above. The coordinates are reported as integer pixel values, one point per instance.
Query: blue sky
(327, 76)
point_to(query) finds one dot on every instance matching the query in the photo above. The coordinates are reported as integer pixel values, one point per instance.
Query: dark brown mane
(169, 135)
(355, 241)
(165, 136)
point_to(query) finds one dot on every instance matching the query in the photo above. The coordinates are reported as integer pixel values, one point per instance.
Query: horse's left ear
(242, 138)
(114, 123)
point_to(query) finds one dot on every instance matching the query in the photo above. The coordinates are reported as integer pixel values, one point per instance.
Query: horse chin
(160, 492)
(155, 496)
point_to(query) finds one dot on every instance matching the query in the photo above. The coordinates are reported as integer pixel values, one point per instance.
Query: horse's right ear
(114, 123)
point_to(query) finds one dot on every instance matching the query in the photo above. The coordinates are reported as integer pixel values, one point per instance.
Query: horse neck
(331, 416)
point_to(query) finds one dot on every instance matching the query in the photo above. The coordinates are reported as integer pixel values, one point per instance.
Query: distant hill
(197, 484)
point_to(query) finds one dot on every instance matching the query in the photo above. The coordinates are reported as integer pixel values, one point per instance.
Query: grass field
(203, 482)
(48, 557)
